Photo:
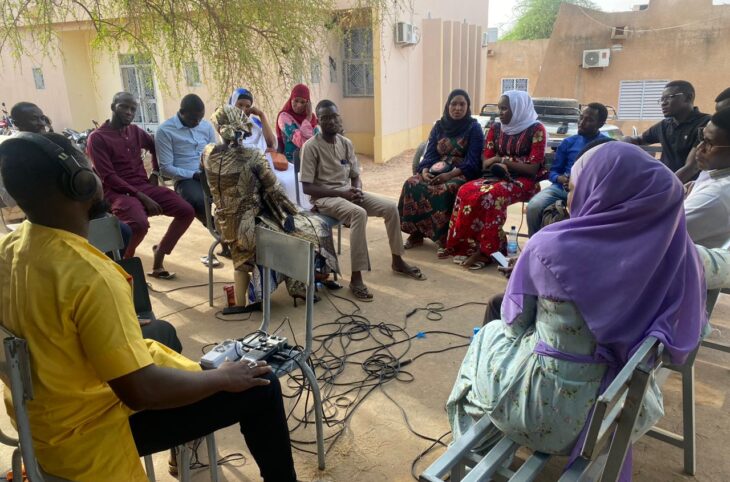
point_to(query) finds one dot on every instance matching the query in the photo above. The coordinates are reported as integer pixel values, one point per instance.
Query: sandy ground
(376, 444)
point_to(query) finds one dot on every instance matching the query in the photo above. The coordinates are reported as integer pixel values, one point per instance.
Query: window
(358, 63)
(639, 99)
(514, 84)
(192, 74)
(333, 71)
(40, 83)
(316, 71)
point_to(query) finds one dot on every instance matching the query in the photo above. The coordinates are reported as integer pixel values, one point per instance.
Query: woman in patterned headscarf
(246, 193)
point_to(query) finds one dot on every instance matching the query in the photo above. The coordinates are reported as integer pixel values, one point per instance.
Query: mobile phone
(501, 259)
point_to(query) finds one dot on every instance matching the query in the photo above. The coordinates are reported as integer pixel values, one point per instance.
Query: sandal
(477, 265)
(331, 285)
(361, 293)
(413, 272)
(442, 253)
(161, 274)
(460, 259)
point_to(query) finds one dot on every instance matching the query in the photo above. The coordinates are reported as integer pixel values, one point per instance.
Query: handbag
(279, 161)
(554, 213)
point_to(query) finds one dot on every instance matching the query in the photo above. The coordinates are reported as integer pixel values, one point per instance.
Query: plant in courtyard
(536, 18)
(260, 43)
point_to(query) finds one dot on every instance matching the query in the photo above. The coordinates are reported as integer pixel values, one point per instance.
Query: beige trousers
(356, 216)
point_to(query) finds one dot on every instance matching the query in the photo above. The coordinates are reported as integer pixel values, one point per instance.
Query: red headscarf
(299, 90)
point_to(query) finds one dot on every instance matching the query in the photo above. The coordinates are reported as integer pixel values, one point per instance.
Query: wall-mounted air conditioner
(596, 58)
(405, 34)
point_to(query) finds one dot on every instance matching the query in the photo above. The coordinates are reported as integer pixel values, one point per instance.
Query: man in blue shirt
(179, 142)
(592, 118)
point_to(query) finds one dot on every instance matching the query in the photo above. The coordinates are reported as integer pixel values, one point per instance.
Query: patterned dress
(538, 401)
(481, 206)
(426, 208)
(246, 193)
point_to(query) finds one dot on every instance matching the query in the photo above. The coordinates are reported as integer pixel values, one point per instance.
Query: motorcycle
(80, 138)
(7, 127)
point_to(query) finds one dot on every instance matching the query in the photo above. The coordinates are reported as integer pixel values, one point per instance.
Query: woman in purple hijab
(583, 296)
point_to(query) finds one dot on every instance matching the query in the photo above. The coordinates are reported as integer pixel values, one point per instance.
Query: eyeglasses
(667, 98)
(704, 143)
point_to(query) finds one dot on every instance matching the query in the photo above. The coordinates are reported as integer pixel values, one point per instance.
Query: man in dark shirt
(28, 117)
(678, 132)
(116, 150)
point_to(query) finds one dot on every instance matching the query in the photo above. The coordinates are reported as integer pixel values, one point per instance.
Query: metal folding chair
(292, 257)
(331, 222)
(15, 373)
(104, 234)
(210, 224)
(604, 449)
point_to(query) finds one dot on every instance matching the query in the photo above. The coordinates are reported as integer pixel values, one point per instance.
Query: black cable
(379, 350)
(151, 288)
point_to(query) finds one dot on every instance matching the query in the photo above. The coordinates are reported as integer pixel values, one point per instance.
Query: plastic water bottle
(512, 242)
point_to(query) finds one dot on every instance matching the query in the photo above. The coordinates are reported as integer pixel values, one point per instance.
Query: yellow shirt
(74, 307)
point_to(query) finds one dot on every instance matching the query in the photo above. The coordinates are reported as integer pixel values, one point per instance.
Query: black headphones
(77, 181)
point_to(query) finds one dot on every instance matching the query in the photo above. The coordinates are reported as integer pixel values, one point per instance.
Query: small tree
(536, 18)
(263, 42)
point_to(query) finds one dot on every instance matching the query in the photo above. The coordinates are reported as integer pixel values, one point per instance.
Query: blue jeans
(539, 202)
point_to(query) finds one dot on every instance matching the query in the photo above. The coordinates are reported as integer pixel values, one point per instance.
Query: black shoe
(225, 252)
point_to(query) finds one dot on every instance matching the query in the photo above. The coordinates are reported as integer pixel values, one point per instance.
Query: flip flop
(361, 293)
(414, 273)
(442, 253)
(162, 274)
(477, 266)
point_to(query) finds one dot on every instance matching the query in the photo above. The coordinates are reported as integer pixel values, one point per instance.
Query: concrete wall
(695, 51)
(410, 92)
(513, 59)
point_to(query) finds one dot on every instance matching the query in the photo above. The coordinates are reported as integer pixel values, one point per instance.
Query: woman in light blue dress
(583, 296)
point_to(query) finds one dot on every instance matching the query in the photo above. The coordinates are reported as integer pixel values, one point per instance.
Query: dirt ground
(376, 444)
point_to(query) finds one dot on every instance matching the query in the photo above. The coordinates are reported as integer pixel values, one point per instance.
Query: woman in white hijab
(263, 138)
(513, 166)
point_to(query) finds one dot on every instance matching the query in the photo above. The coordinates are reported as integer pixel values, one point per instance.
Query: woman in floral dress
(453, 156)
(513, 155)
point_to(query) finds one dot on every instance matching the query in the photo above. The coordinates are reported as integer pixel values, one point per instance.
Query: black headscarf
(453, 127)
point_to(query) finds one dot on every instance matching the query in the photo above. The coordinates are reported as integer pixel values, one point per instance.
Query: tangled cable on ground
(378, 352)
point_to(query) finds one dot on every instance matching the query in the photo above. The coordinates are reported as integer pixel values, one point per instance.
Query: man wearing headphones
(116, 151)
(104, 396)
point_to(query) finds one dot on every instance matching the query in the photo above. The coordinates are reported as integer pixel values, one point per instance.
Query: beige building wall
(671, 39)
(513, 59)
(405, 108)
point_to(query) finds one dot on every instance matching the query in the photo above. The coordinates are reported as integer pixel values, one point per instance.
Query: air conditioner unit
(405, 34)
(485, 39)
(596, 58)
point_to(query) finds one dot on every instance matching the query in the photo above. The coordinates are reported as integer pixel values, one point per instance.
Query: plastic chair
(292, 257)
(15, 373)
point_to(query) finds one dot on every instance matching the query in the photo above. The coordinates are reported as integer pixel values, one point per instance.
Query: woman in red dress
(513, 157)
